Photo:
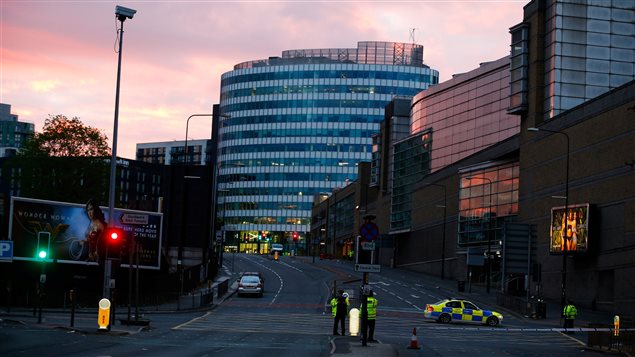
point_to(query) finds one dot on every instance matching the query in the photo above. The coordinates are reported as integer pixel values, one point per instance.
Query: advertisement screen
(569, 232)
(74, 233)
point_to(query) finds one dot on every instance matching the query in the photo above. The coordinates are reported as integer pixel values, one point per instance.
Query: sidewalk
(86, 320)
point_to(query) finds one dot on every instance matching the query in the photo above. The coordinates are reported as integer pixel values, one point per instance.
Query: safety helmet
(345, 295)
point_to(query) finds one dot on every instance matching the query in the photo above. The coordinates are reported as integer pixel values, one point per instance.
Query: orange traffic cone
(414, 343)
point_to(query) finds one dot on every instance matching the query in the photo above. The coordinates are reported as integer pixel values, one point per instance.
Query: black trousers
(342, 321)
(371, 329)
(568, 323)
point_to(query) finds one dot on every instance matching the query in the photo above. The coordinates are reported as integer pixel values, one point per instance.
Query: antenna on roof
(412, 34)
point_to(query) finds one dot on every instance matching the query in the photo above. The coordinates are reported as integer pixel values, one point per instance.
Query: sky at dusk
(58, 57)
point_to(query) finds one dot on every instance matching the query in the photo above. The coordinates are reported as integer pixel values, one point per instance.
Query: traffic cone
(414, 343)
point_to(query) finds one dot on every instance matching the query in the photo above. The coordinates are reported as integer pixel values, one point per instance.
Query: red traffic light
(114, 235)
(295, 236)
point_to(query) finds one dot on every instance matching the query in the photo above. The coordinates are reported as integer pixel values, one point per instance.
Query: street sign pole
(364, 294)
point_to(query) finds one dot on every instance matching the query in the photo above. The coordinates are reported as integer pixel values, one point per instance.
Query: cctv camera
(124, 12)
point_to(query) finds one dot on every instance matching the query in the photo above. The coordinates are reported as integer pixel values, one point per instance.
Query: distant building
(173, 152)
(298, 127)
(13, 133)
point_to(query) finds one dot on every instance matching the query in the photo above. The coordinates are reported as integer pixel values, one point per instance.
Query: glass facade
(466, 114)
(519, 81)
(299, 124)
(411, 165)
(488, 198)
(590, 49)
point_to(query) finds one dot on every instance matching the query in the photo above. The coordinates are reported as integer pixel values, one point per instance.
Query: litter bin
(461, 285)
(541, 309)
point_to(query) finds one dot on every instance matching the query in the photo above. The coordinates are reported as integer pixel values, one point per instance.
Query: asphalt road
(293, 319)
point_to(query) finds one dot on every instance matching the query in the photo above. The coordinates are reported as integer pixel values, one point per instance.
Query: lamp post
(563, 290)
(179, 261)
(445, 205)
(121, 13)
(489, 229)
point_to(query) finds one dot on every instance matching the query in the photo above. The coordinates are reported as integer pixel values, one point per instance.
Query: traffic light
(43, 245)
(114, 235)
(115, 240)
(295, 236)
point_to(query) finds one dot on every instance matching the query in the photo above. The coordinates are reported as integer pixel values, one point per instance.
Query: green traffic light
(42, 254)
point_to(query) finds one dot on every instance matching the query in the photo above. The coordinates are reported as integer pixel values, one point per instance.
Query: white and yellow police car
(448, 310)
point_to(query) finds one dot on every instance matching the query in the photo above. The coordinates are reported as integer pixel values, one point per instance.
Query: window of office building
(488, 198)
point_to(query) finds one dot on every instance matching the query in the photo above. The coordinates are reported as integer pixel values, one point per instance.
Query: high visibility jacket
(570, 312)
(334, 306)
(371, 308)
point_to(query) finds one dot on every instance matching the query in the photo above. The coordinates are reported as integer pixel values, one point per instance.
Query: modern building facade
(13, 133)
(586, 48)
(298, 125)
(448, 123)
(491, 210)
(582, 102)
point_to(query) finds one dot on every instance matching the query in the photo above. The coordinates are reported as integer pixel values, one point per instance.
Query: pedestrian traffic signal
(43, 245)
(296, 236)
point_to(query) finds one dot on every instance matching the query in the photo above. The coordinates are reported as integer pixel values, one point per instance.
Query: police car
(448, 310)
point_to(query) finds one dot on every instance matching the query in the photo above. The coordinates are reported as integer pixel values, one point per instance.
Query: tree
(68, 161)
(63, 137)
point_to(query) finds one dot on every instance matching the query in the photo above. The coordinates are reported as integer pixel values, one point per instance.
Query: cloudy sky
(58, 57)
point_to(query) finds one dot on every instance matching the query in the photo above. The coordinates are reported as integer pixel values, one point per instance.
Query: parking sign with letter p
(6, 250)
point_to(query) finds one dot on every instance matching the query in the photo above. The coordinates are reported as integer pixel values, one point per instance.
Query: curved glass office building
(297, 125)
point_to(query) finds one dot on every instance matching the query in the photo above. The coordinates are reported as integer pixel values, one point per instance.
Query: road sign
(368, 268)
(131, 218)
(6, 250)
(369, 231)
(368, 245)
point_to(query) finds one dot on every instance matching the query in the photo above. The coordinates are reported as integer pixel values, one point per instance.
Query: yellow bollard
(353, 321)
(275, 255)
(616, 325)
(104, 314)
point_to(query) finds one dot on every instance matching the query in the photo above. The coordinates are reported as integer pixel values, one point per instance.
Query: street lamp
(563, 291)
(121, 13)
(179, 260)
(489, 229)
(445, 205)
(185, 177)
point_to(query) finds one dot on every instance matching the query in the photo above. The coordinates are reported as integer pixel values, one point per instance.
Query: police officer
(570, 312)
(371, 313)
(339, 309)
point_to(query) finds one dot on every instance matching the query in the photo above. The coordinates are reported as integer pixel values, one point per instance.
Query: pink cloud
(59, 57)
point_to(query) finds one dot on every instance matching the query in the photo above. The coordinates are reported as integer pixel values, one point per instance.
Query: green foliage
(63, 137)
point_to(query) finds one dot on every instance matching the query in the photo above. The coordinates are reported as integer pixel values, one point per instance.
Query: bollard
(353, 321)
(72, 298)
(616, 325)
(104, 314)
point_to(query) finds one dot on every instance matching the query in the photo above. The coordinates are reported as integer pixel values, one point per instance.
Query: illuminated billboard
(74, 232)
(569, 232)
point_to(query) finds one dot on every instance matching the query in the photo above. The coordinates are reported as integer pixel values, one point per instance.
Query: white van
(276, 247)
